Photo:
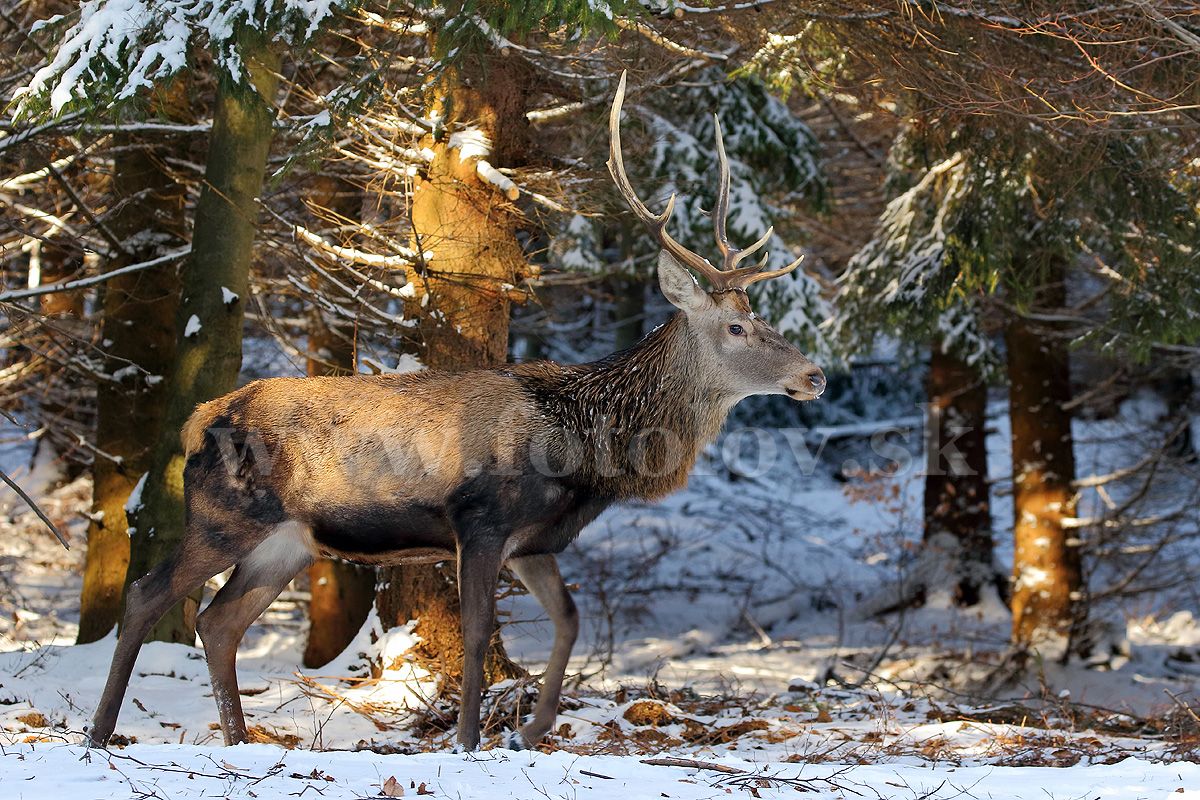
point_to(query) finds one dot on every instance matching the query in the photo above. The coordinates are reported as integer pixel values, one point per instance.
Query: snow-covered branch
(142, 42)
(340, 254)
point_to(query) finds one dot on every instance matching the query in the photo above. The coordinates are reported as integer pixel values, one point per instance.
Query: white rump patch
(290, 547)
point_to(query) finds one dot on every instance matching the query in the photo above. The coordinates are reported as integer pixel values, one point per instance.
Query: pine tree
(468, 224)
(1008, 214)
(905, 282)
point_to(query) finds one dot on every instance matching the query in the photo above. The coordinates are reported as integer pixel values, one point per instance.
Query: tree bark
(62, 409)
(958, 520)
(139, 331)
(629, 306)
(342, 597)
(342, 593)
(470, 227)
(629, 296)
(209, 321)
(1047, 573)
(1176, 386)
(60, 262)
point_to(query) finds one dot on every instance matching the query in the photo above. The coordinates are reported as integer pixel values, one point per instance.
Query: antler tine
(730, 256)
(657, 223)
(745, 281)
(733, 276)
(721, 208)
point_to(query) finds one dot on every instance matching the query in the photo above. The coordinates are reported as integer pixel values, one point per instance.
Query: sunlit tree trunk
(58, 261)
(958, 520)
(209, 321)
(1047, 575)
(139, 340)
(470, 227)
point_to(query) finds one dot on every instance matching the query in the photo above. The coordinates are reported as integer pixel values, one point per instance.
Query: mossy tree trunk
(139, 332)
(209, 320)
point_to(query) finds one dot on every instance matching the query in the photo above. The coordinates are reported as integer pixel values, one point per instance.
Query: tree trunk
(629, 306)
(958, 520)
(629, 295)
(138, 331)
(209, 321)
(59, 262)
(470, 227)
(342, 593)
(1047, 574)
(342, 597)
(1175, 385)
(62, 408)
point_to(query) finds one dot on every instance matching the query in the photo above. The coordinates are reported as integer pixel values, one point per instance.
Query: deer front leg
(478, 571)
(149, 597)
(541, 577)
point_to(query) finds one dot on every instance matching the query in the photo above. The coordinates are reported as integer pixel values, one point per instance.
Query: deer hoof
(517, 741)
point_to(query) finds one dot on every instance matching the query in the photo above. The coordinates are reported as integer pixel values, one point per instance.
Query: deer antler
(730, 276)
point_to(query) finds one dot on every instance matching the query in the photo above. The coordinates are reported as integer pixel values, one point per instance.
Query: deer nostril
(817, 380)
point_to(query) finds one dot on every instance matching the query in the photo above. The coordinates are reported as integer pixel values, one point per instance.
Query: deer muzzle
(808, 385)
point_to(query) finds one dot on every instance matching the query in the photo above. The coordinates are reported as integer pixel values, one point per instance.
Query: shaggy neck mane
(642, 414)
(660, 364)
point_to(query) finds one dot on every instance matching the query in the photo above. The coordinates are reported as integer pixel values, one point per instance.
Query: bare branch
(29, 502)
(83, 283)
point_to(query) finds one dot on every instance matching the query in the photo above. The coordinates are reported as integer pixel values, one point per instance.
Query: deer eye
(736, 330)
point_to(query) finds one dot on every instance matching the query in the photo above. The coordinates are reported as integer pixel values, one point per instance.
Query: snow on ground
(713, 620)
(262, 771)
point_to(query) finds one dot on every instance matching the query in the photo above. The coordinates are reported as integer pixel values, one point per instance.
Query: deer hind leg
(191, 564)
(254, 585)
(543, 580)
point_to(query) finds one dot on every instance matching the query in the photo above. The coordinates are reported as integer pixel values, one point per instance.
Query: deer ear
(679, 285)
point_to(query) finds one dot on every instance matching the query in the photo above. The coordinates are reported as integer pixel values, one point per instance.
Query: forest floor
(722, 655)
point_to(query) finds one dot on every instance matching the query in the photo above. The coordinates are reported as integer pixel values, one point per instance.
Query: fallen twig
(1182, 705)
(751, 781)
(595, 775)
(691, 763)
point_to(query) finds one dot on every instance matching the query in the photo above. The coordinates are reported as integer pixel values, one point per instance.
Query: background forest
(991, 514)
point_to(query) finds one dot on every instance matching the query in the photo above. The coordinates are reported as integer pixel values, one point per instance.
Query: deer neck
(650, 395)
(662, 373)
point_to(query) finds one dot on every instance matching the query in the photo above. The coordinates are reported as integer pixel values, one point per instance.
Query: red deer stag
(494, 466)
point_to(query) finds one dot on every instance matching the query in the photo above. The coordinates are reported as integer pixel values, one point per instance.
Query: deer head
(741, 353)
